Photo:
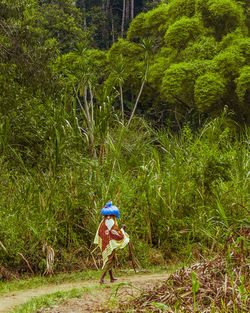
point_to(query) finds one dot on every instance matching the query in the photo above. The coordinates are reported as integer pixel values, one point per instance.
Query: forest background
(145, 103)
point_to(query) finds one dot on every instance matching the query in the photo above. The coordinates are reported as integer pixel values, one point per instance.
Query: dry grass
(223, 286)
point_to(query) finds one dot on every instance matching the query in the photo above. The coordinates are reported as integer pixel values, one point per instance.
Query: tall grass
(181, 193)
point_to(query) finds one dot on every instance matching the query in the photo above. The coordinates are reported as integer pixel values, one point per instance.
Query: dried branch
(22, 256)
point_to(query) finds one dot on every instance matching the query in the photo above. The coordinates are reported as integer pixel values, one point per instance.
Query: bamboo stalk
(131, 256)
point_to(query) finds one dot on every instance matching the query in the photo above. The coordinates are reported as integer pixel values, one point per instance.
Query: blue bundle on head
(110, 209)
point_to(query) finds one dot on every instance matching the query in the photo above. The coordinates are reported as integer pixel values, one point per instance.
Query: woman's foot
(102, 278)
(113, 279)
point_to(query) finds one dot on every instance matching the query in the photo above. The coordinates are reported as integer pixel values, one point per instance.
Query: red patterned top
(109, 237)
(109, 230)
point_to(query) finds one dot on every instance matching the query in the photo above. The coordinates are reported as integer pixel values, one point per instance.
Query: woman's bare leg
(102, 278)
(112, 278)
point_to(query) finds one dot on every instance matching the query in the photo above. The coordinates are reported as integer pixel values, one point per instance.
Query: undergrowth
(181, 195)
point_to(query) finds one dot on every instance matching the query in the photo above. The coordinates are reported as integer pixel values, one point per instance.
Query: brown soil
(93, 301)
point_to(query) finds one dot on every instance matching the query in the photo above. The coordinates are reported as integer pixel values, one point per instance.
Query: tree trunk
(91, 121)
(123, 17)
(127, 10)
(132, 9)
(89, 116)
(105, 30)
(112, 25)
(121, 98)
(107, 7)
(139, 94)
(84, 17)
(91, 105)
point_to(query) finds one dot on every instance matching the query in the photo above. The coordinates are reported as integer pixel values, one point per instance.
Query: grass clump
(55, 298)
(39, 281)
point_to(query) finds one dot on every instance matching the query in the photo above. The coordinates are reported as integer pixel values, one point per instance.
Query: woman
(110, 238)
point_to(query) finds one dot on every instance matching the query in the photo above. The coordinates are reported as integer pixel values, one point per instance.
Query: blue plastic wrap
(110, 209)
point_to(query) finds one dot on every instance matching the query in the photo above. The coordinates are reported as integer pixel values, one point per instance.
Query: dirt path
(91, 301)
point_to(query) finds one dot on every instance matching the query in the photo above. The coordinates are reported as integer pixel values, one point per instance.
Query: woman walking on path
(110, 238)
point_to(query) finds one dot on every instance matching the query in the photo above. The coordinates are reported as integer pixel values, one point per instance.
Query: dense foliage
(198, 59)
(71, 138)
(193, 190)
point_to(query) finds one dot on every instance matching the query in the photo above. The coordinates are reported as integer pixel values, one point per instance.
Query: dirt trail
(90, 302)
